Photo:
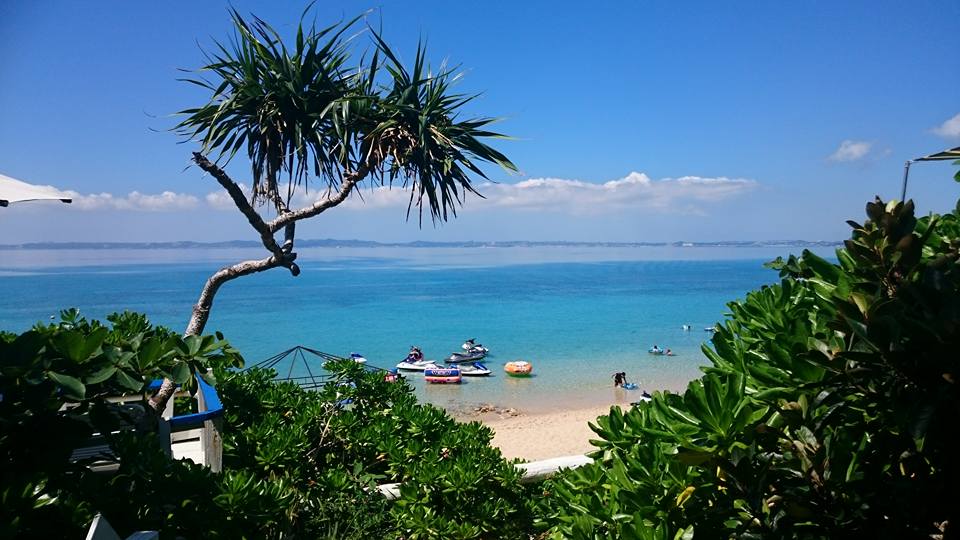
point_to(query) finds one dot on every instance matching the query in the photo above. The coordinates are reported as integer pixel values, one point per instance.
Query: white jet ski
(472, 347)
(475, 369)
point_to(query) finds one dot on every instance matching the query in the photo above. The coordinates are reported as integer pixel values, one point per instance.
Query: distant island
(332, 243)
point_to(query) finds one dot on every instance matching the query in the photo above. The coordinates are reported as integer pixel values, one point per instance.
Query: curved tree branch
(266, 234)
(201, 310)
(349, 181)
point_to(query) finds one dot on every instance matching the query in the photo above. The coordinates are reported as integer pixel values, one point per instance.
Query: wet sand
(540, 435)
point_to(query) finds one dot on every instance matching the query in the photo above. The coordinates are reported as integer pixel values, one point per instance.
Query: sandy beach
(535, 436)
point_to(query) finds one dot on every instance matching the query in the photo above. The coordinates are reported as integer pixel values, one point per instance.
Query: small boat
(457, 358)
(475, 369)
(415, 361)
(442, 375)
(356, 357)
(518, 368)
(416, 365)
(471, 346)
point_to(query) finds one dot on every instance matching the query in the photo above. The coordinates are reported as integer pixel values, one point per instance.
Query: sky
(630, 121)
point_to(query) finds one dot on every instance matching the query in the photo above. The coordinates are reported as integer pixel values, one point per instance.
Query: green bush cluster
(54, 381)
(337, 444)
(830, 409)
(297, 463)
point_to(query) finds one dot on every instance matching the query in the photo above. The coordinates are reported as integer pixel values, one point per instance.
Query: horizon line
(335, 243)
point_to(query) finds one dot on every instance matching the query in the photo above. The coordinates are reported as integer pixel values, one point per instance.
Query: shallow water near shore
(578, 314)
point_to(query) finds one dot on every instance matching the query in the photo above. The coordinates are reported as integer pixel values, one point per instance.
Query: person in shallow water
(617, 379)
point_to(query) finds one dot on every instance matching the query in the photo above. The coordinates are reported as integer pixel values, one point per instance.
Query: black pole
(906, 174)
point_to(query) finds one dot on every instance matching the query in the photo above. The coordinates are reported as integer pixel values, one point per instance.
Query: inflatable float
(442, 375)
(518, 368)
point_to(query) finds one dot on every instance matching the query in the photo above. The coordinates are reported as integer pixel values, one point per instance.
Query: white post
(211, 442)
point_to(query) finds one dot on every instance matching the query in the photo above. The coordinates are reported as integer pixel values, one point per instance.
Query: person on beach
(617, 379)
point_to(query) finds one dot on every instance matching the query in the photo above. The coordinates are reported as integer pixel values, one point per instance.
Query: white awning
(13, 190)
(953, 153)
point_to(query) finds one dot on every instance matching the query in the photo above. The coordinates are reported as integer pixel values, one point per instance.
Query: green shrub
(296, 462)
(830, 409)
(453, 483)
(54, 380)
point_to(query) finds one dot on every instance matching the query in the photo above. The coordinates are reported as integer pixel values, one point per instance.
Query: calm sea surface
(579, 314)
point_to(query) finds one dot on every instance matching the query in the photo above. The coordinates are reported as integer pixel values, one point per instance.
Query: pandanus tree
(324, 114)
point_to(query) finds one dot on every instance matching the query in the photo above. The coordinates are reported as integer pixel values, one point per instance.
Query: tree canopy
(321, 109)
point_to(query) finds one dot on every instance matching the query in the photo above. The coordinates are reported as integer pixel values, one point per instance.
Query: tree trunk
(281, 255)
(201, 310)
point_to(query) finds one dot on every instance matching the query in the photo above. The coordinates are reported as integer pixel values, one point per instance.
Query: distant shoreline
(332, 243)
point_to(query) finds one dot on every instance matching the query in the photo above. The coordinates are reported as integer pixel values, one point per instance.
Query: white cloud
(378, 197)
(850, 151)
(166, 201)
(221, 200)
(635, 191)
(950, 128)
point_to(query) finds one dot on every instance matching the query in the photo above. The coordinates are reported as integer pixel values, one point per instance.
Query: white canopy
(13, 190)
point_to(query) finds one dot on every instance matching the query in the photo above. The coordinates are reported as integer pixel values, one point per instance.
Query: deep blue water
(578, 317)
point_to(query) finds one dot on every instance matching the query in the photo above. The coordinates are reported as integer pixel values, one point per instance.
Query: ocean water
(578, 314)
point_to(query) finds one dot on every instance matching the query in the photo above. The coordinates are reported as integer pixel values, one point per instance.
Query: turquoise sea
(578, 314)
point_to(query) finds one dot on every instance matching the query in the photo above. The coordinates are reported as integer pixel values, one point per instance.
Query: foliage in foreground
(830, 410)
(453, 483)
(54, 380)
(296, 462)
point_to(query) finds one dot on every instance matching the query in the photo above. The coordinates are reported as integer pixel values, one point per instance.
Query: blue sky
(634, 121)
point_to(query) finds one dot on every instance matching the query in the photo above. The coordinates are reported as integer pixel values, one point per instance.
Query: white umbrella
(13, 190)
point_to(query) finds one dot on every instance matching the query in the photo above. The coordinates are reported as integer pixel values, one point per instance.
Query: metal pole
(906, 174)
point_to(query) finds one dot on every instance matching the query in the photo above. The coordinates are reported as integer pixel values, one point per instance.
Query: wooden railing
(198, 436)
(195, 436)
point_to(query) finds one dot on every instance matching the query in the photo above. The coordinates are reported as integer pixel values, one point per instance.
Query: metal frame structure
(299, 355)
(946, 155)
